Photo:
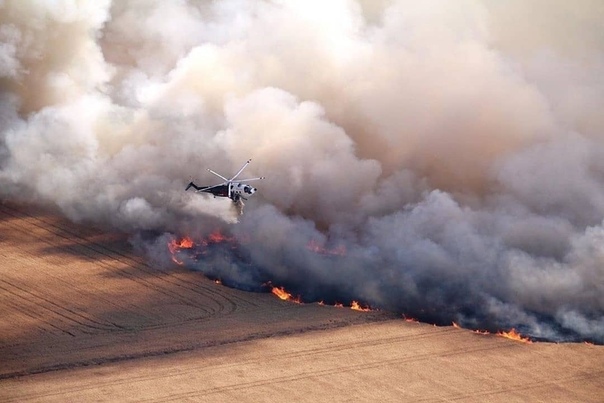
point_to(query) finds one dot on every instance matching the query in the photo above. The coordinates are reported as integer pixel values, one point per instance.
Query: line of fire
(216, 246)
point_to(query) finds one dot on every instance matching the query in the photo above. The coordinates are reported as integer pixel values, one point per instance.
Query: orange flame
(338, 305)
(176, 245)
(455, 325)
(514, 335)
(284, 295)
(357, 307)
(409, 319)
(281, 293)
(217, 237)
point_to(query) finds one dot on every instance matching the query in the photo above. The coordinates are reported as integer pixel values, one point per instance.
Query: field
(83, 318)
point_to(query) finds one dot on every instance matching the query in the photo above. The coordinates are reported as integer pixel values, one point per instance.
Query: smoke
(454, 149)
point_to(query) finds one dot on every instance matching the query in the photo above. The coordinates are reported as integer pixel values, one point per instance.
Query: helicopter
(234, 190)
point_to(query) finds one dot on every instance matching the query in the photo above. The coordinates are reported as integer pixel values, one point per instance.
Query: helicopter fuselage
(234, 190)
(238, 190)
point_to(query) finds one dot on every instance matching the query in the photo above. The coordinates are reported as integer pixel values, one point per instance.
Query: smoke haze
(454, 149)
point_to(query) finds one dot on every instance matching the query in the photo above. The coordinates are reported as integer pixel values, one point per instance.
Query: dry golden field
(84, 319)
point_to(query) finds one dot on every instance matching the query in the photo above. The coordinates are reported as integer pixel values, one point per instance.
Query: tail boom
(194, 186)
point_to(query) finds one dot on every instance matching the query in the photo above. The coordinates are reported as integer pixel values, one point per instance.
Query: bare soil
(82, 318)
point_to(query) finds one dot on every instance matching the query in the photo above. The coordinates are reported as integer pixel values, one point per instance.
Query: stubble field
(82, 318)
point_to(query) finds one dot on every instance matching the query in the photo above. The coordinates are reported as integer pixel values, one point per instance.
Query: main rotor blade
(252, 179)
(242, 168)
(220, 176)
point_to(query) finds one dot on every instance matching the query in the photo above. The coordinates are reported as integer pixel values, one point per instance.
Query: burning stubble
(439, 158)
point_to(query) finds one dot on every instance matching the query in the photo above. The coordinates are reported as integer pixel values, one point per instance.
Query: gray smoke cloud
(453, 149)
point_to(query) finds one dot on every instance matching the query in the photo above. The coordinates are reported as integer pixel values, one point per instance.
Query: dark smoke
(454, 149)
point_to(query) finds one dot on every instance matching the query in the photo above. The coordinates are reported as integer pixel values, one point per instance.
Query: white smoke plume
(455, 149)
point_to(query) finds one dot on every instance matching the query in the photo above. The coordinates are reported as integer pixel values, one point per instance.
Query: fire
(174, 246)
(281, 293)
(284, 295)
(217, 237)
(514, 335)
(357, 307)
(199, 248)
(409, 319)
